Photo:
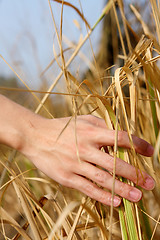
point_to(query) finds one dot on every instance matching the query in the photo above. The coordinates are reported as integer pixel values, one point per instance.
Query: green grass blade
(130, 220)
(122, 224)
(145, 222)
(132, 231)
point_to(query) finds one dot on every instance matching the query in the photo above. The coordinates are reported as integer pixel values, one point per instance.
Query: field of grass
(127, 96)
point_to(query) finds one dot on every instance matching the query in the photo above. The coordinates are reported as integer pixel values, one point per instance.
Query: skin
(54, 152)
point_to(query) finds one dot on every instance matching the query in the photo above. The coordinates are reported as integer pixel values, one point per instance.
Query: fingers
(106, 137)
(105, 180)
(93, 191)
(123, 169)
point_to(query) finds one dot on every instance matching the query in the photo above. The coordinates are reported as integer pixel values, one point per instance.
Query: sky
(27, 35)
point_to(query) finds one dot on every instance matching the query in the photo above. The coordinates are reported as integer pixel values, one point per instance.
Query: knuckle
(82, 147)
(122, 189)
(65, 179)
(81, 150)
(96, 193)
(100, 177)
(89, 128)
(89, 189)
(85, 129)
(104, 198)
(109, 164)
(121, 136)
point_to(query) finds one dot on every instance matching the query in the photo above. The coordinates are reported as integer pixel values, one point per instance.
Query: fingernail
(135, 195)
(150, 150)
(149, 183)
(116, 202)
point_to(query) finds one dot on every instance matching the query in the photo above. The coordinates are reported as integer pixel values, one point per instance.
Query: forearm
(15, 123)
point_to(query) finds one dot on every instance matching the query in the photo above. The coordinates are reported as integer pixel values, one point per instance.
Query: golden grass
(43, 209)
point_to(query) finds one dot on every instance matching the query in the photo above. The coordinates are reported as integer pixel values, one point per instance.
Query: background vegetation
(121, 85)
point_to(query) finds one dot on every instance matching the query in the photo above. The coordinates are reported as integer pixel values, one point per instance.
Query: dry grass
(34, 207)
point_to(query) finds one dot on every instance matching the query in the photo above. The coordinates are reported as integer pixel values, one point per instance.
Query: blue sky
(27, 34)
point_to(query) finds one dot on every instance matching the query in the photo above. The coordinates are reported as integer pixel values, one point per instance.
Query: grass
(45, 210)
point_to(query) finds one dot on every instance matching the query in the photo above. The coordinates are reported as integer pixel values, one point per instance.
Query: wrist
(11, 136)
(15, 124)
(30, 134)
(27, 132)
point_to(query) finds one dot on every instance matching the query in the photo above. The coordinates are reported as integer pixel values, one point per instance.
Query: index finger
(106, 137)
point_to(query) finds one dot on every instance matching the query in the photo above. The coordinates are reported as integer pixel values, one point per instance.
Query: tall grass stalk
(130, 102)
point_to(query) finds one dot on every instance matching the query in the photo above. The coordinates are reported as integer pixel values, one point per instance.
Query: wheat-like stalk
(131, 102)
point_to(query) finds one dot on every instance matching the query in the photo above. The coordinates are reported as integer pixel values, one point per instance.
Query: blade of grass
(122, 224)
(114, 168)
(156, 17)
(119, 30)
(133, 105)
(131, 224)
(3, 174)
(5, 217)
(75, 8)
(62, 217)
(96, 219)
(27, 211)
(155, 228)
(152, 95)
(145, 222)
(73, 228)
(153, 107)
(111, 119)
(146, 30)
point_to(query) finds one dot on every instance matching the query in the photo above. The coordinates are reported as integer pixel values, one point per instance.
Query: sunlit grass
(42, 208)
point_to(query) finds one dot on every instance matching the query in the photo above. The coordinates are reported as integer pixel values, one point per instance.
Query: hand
(55, 152)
